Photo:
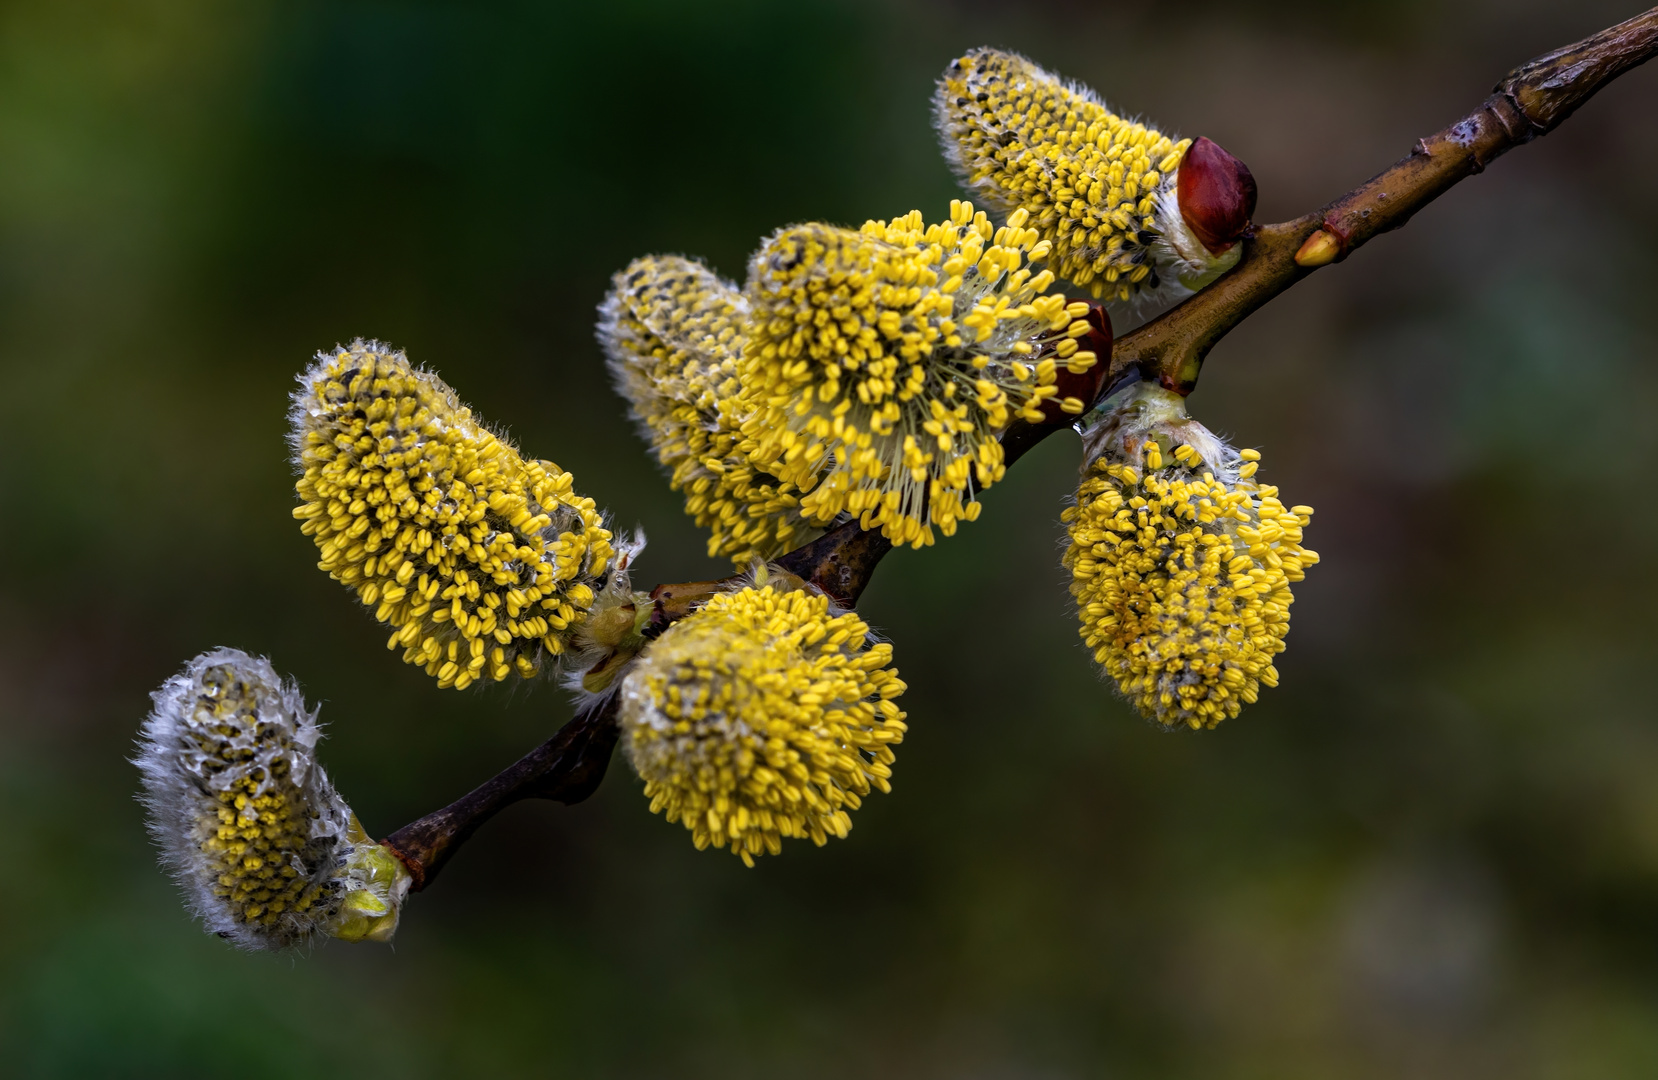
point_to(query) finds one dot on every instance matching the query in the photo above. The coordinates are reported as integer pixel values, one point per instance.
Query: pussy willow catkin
(674, 332)
(767, 714)
(883, 362)
(1181, 563)
(480, 560)
(1100, 188)
(268, 855)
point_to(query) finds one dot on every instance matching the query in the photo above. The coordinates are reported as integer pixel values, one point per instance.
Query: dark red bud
(1084, 387)
(1217, 195)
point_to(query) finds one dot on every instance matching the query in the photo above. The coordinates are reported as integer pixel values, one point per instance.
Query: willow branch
(1530, 101)
(566, 768)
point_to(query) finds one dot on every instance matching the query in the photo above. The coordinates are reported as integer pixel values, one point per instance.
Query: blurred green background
(1433, 852)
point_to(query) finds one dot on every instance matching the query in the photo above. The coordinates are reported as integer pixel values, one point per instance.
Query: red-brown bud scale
(1086, 386)
(1217, 195)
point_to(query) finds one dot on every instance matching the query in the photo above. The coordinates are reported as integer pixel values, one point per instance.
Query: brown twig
(1531, 101)
(566, 768)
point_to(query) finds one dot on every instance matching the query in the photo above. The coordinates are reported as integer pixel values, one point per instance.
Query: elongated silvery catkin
(268, 854)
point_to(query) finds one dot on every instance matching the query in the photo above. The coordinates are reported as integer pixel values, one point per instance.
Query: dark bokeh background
(1433, 852)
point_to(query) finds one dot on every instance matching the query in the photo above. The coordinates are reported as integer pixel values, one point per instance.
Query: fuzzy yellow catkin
(1181, 563)
(268, 855)
(481, 561)
(1099, 187)
(767, 714)
(882, 363)
(674, 331)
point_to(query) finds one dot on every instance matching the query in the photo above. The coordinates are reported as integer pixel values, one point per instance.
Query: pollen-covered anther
(1076, 390)
(1181, 563)
(268, 855)
(767, 714)
(480, 560)
(674, 332)
(883, 363)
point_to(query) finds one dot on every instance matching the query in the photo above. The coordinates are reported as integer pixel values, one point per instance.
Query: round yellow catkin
(883, 363)
(766, 714)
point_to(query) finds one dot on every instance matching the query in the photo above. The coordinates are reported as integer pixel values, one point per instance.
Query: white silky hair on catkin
(623, 350)
(1177, 247)
(759, 575)
(446, 413)
(585, 653)
(652, 398)
(181, 790)
(949, 130)
(1141, 410)
(304, 413)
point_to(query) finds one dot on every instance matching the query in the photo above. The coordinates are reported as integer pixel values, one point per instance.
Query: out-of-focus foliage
(1432, 851)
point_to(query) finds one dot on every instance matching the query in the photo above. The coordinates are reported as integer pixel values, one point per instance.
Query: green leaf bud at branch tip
(1181, 562)
(268, 855)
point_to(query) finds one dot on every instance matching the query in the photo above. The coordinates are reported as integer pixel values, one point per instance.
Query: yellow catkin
(1181, 568)
(766, 714)
(1097, 186)
(883, 363)
(480, 560)
(255, 849)
(268, 854)
(674, 332)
